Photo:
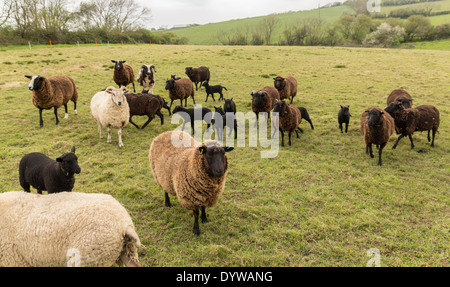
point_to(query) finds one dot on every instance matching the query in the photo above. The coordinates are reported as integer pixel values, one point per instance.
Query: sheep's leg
(25, 186)
(192, 99)
(108, 140)
(119, 133)
(134, 89)
(192, 126)
(257, 118)
(292, 99)
(131, 122)
(310, 122)
(282, 138)
(75, 108)
(185, 102)
(170, 107)
(300, 129)
(296, 131)
(411, 140)
(340, 127)
(39, 191)
(203, 216)
(167, 200)
(146, 123)
(161, 116)
(346, 127)
(429, 139)
(55, 111)
(396, 143)
(371, 151)
(379, 153)
(434, 134)
(66, 115)
(290, 133)
(41, 122)
(221, 96)
(196, 227)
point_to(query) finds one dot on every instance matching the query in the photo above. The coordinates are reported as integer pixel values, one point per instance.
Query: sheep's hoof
(66, 116)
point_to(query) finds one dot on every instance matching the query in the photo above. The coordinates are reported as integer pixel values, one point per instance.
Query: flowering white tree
(385, 36)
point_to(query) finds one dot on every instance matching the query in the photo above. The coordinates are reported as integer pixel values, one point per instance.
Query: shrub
(385, 36)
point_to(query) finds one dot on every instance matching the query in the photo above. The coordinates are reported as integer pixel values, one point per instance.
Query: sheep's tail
(129, 255)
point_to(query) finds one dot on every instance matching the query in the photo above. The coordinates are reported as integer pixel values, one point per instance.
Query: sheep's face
(69, 163)
(35, 83)
(214, 159)
(148, 69)
(374, 117)
(169, 84)
(177, 109)
(278, 83)
(258, 97)
(405, 102)
(118, 64)
(279, 107)
(117, 95)
(228, 104)
(345, 111)
(393, 108)
(188, 70)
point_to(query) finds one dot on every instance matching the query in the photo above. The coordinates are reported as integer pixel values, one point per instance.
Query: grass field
(320, 202)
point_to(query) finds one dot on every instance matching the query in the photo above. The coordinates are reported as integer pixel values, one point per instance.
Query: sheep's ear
(73, 149)
(228, 148)
(341, 107)
(123, 62)
(113, 61)
(29, 77)
(366, 111)
(59, 159)
(202, 149)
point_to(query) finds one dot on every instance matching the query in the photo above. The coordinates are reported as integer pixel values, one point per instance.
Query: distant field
(430, 45)
(320, 202)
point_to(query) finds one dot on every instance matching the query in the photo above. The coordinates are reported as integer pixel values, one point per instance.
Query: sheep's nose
(119, 103)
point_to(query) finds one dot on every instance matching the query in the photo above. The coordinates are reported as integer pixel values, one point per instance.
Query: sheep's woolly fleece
(67, 228)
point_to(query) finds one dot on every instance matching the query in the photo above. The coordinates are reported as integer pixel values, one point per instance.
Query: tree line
(92, 20)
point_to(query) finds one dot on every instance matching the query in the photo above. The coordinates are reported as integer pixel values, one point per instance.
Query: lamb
(401, 96)
(188, 115)
(376, 127)
(52, 92)
(198, 75)
(287, 87)
(146, 78)
(344, 117)
(199, 181)
(407, 121)
(305, 116)
(65, 229)
(110, 109)
(123, 74)
(44, 173)
(180, 90)
(222, 120)
(229, 106)
(211, 90)
(145, 104)
(263, 100)
(289, 118)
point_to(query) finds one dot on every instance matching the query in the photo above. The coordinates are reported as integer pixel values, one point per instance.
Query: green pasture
(320, 202)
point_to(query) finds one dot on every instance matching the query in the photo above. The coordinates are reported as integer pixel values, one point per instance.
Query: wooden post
(29, 44)
(95, 42)
(121, 41)
(51, 44)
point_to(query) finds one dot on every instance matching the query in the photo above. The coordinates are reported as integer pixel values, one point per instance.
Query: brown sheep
(287, 87)
(407, 121)
(263, 100)
(180, 90)
(123, 74)
(52, 92)
(194, 172)
(376, 128)
(401, 96)
(198, 75)
(145, 104)
(289, 119)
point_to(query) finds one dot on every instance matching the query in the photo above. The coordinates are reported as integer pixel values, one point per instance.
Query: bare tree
(267, 25)
(5, 11)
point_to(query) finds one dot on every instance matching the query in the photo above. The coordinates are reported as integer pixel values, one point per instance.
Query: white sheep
(65, 229)
(110, 109)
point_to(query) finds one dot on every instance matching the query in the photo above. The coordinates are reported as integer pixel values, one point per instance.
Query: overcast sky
(167, 13)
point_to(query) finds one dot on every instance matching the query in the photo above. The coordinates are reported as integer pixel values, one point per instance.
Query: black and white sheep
(123, 74)
(408, 121)
(198, 75)
(376, 127)
(344, 117)
(146, 78)
(52, 92)
(43, 173)
(194, 172)
(211, 90)
(145, 105)
(287, 87)
(189, 115)
(180, 90)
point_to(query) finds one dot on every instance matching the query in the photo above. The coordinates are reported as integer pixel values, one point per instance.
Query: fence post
(78, 43)
(51, 44)
(95, 42)
(29, 44)
(121, 41)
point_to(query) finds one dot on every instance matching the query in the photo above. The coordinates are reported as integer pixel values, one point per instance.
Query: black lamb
(188, 115)
(305, 116)
(344, 117)
(229, 106)
(211, 90)
(44, 173)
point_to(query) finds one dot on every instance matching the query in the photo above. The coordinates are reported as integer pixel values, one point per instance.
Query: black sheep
(211, 90)
(227, 119)
(344, 117)
(305, 116)
(44, 173)
(188, 115)
(198, 75)
(229, 106)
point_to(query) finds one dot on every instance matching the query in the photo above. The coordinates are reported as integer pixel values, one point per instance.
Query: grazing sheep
(401, 96)
(289, 118)
(263, 100)
(287, 87)
(305, 116)
(210, 90)
(194, 172)
(198, 75)
(222, 120)
(180, 90)
(146, 78)
(123, 74)
(65, 229)
(145, 105)
(407, 121)
(44, 173)
(229, 106)
(110, 109)
(376, 127)
(52, 92)
(344, 117)
(188, 115)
